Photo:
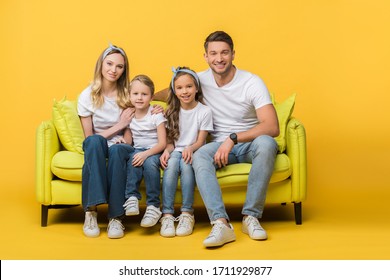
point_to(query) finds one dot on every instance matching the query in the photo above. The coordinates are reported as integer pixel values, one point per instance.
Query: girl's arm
(139, 158)
(188, 151)
(166, 155)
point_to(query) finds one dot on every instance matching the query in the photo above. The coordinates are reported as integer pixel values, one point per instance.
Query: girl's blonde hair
(122, 83)
(173, 104)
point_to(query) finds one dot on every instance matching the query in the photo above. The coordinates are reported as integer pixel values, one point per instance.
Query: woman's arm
(86, 123)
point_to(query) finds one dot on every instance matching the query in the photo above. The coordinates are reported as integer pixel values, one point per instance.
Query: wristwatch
(233, 136)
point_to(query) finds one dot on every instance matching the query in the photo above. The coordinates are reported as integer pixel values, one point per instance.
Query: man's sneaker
(219, 235)
(252, 227)
(186, 225)
(151, 217)
(131, 206)
(91, 228)
(167, 226)
(115, 229)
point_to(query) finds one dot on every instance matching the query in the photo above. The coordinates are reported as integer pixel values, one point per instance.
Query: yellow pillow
(284, 111)
(68, 125)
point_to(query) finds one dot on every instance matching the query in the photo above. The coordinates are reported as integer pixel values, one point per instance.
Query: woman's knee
(94, 141)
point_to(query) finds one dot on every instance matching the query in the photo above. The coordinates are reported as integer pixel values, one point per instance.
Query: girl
(101, 108)
(149, 135)
(188, 124)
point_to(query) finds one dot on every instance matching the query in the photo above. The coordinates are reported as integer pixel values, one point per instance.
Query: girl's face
(113, 67)
(185, 90)
(140, 95)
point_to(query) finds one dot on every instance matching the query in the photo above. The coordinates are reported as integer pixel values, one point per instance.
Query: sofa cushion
(68, 125)
(284, 111)
(67, 165)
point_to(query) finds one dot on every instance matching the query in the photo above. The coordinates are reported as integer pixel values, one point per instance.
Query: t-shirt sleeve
(159, 118)
(206, 122)
(258, 93)
(84, 104)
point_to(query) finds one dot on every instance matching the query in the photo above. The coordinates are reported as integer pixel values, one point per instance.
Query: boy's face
(140, 95)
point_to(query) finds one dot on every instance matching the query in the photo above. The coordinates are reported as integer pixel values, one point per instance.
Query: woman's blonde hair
(122, 83)
(173, 104)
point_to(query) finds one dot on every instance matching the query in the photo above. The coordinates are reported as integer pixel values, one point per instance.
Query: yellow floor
(348, 224)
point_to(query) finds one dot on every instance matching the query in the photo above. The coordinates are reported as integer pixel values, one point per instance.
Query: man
(245, 123)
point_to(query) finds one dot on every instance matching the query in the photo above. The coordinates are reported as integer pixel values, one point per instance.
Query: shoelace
(184, 220)
(251, 221)
(91, 222)
(115, 223)
(165, 221)
(216, 230)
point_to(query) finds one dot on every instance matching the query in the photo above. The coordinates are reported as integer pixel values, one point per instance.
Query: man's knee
(265, 143)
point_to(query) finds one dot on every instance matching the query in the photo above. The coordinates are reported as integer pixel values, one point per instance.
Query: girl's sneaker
(186, 225)
(115, 229)
(167, 226)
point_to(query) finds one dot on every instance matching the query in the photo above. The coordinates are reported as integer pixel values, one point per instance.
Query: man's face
(219, 57)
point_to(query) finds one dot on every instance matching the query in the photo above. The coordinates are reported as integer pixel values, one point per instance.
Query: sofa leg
(44, 214)
(298, 212)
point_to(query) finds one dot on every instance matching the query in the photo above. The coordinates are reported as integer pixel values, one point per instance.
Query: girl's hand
(164, 159)
(139, 158)
(187, 155)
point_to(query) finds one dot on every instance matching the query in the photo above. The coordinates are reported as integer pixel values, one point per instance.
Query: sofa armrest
(47, 144)
(296, 151)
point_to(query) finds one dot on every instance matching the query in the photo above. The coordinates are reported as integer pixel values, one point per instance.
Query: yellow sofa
(59, 164)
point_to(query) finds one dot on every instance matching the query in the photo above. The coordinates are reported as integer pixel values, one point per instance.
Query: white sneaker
(220, 234)
(151, 217)
(252, 227)
(131, 206)
(115, 229)
(167, 226)
(186, 225)
(91, 228)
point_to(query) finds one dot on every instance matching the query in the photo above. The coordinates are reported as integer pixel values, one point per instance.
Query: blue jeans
(150, 171)
(104, 181)
(176, 167)
(261, 152)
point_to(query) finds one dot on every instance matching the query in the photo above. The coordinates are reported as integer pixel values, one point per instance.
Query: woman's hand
(126, 117)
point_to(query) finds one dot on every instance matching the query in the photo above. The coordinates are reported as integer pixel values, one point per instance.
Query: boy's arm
(162, 141)
(128, 136)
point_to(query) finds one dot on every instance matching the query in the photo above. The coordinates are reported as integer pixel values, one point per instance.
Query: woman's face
(113, 67)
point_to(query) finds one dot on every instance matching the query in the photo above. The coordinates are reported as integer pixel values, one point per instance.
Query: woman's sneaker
(186, 225)
(151, 217)
(115, 229)
(167, 226)
(91, 228)
(131, 206)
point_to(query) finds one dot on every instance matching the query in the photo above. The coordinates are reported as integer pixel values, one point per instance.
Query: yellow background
(334, 54)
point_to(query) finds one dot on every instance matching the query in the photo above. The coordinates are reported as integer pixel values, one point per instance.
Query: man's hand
(221, 157)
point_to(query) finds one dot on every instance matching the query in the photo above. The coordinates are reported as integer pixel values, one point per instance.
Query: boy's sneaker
(167, 226)
(115, 229)
(252, 227)
(219, 235)
(151, 217)
(131, 206)
(186, 225)
(91, 228)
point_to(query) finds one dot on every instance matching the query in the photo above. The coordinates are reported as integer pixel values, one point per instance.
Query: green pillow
(68, 125)
(284, 111)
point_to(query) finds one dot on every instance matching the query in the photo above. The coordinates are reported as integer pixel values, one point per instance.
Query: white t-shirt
(191, 122)
(145, 130)
(102, 118)
(234, 104)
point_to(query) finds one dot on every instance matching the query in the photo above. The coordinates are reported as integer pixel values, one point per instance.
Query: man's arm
(161, 95)
(268, 125)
